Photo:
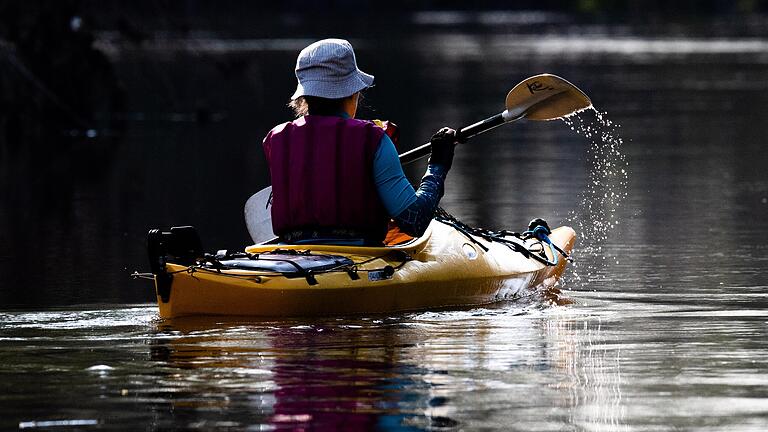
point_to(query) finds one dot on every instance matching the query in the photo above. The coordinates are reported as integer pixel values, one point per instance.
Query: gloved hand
(443, 144)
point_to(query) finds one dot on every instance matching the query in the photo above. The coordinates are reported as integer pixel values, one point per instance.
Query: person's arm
(413, 210)
(415, 218)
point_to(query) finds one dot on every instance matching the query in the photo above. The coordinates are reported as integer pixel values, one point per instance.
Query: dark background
(120, 117)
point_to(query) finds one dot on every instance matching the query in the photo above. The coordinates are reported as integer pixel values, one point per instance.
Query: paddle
(540, 97)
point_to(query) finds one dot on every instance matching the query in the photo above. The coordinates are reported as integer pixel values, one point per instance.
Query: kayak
(450, 265)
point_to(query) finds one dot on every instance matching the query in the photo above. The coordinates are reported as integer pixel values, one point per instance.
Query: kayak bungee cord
(541, 233)
(151, 276)
(537, 229)
(216, 263)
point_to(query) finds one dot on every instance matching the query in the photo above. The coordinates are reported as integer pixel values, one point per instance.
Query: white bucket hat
(328, 69)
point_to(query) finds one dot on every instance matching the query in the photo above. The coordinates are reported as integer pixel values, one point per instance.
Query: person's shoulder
(268, 138)
(365, 124)
(282, 126)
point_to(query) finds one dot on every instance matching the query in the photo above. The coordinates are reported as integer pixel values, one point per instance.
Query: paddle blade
(258, 216)
(546, 97)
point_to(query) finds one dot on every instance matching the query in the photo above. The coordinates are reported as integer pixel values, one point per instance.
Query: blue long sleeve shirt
(411, 209)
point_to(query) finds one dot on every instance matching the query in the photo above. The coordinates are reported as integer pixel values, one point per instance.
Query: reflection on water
(476, 369)
(612, 362)
(507, 368)
(595, 385)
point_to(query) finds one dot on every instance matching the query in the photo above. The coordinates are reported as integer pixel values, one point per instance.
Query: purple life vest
(322, 176)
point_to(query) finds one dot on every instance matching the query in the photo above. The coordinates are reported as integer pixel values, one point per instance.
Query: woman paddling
(336, 179)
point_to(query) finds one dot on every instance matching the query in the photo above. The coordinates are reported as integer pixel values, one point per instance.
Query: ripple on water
(75, 318)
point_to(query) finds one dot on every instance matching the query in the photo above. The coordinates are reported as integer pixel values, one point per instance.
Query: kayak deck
(443, 268)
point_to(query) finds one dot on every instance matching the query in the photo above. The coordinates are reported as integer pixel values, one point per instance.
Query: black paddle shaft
(462, 135)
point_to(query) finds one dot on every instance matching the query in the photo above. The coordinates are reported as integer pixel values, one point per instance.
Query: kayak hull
(444, 268)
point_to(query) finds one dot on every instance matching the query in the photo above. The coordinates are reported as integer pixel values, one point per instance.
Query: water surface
(668, 321)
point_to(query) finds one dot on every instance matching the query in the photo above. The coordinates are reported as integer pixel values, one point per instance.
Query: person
(337, 179)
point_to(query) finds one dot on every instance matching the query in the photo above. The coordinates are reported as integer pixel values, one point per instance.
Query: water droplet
(595, 217)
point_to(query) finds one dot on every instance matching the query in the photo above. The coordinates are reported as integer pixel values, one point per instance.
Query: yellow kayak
(451, 265)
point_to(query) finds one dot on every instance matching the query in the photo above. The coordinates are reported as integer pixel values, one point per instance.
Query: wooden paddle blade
(545, 97)
(258, 216)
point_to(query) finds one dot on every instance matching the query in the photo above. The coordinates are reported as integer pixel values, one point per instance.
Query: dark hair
(315, 105)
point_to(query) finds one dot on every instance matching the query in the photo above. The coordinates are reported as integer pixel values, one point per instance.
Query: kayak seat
(288, 265)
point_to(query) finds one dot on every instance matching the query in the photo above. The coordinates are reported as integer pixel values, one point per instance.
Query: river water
(663, 319)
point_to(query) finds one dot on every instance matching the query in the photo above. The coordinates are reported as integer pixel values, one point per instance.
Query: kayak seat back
(411, 246)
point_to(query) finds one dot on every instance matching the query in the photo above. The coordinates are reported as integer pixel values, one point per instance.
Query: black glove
(443, 144)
